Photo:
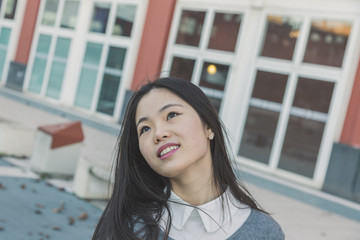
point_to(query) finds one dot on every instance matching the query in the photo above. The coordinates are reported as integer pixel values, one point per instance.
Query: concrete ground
(303, 213)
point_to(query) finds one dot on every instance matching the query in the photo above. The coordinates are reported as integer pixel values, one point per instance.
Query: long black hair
(140, 194)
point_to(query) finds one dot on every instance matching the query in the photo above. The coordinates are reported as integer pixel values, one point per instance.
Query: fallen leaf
(83, 216)
(23, 186)
(56, 228)
(2, 187)
(71, 220)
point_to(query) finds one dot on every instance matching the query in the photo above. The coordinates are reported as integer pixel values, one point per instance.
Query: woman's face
(172, 137)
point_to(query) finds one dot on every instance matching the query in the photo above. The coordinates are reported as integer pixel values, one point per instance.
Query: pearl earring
(211, 136)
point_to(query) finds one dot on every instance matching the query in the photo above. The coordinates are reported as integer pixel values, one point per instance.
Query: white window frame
(241, 75)
(14, 25)
(297, 69)
(80, 36)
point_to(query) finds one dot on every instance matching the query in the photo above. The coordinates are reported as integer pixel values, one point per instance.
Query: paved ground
(303, 213)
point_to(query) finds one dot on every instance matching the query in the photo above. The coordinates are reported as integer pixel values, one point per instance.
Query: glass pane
(50, 10)
(37, 74)
(100, 17)
(313, 94)
(258, 136)
(4, 36)
(55, 80)
(0, 4)
(225, 31)
(62, 47)
(125, 16)
(69, 16)
(88, 75)
(182, 68)
(327, 42)
(10, 9)
(116, 58)
(43, 44)
(93, 53)
(301, 146)
(190, 28)
(281, 36)
(214, 75)
(2, 60)
(86, 88)
(108, 94)
(269, 86)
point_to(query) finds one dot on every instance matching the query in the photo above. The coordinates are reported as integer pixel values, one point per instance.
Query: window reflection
(125, 15)
(258, 136)
(10, 9)
(214, 75)
(269, 86)
(50, 10)
(301, 145)
(281, 36)
(69, 16)
(100, 17)
(313, 94)
(225, 31)
(263, 114)
(327, 42)
(182, 68)
(111, 80)
(190, 28)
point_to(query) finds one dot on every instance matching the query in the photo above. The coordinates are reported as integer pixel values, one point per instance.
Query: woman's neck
(195, 190)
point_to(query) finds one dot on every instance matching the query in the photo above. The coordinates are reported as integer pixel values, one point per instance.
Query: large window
(54, 37)
(109, 34)
(289, 108)
(203, 48)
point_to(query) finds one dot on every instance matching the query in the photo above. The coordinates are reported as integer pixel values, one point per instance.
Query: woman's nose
(161, 134)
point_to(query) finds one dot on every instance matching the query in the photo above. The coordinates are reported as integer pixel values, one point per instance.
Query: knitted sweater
(258, 226)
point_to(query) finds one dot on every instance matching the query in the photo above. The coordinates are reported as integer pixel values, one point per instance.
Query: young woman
(173, 177)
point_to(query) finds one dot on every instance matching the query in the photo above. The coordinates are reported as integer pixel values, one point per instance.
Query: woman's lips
(167, 150)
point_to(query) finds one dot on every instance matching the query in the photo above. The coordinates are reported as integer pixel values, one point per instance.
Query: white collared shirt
(210, 222)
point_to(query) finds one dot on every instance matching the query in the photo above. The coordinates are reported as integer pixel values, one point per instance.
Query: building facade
(283, 75)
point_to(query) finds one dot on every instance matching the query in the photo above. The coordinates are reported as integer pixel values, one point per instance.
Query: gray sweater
(258, 226)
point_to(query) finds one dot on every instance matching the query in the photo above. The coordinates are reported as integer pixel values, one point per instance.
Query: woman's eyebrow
(170, 105)
(143, 119)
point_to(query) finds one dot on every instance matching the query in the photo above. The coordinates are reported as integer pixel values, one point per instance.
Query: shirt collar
(211, 213)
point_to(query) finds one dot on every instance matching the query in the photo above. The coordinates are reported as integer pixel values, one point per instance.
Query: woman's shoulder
(259, 225)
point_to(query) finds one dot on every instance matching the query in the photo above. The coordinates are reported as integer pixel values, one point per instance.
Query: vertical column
(17, 68)
(154, 40)
(351, 131)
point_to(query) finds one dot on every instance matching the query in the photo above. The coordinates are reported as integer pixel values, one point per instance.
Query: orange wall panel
(27, 31)
(351, 131)
(154, 40)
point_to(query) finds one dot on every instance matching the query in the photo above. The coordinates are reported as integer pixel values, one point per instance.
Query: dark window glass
(190, 28)
(125, 16)
(327, 43)
(100, 17)
(214, 75)
(10, 9)
(301, 146)
(313, 94)
(182, 68)
(224, 32)
(269, 86)
(111, 80)
(258, 136)
(281, 36)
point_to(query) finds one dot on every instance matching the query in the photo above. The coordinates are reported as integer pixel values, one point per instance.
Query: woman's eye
(144, 129)
(171, 115)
